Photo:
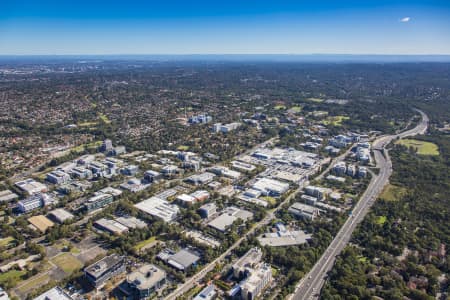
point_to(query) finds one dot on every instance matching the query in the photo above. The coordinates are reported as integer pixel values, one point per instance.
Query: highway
(309, 287)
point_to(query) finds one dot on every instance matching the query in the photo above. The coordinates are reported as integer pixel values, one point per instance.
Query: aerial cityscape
(220, 151)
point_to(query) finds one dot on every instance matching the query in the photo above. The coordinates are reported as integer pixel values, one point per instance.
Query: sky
(99, 27)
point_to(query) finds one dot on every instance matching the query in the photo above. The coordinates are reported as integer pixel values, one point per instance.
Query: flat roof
(7, 195)
(41, 222)
(146, 276)
(99, 267)
(61, 214)
(55, 293)
(183, 258)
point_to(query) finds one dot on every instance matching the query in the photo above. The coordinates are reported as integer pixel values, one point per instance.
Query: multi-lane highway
(310, 286)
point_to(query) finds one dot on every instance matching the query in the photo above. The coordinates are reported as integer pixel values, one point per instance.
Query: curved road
(310, 286)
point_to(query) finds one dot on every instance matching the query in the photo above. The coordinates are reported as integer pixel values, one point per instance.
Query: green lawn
(67, 262)
(381, 220)
(142, 244)
(11, 275)
(393, 193)
(104, 118)
(296, 109)
(279, 107)
(422, 147)
(270, 200)
(318, 100)
(6, 241)
(335, 120)
(183, 148)
(34, 283)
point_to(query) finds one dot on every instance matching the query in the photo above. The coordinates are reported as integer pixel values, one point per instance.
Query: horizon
(397, 27)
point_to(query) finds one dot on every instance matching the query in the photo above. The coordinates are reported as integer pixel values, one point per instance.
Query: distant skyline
(101, 27)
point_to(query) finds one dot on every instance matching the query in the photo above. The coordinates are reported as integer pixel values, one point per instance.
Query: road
(189, 283)
(310, 286)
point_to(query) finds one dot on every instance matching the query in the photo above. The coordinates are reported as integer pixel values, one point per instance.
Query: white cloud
(405, 19)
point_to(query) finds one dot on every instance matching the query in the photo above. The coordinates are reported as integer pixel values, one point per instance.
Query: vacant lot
(13, 275)
(421, 147)
(33, 283)
(393, 192)
(67, 262)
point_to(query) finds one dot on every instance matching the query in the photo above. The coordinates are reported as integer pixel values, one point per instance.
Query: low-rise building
(58, 177)
(98, 201)
(7, 196)
(207, 210)
(110, 226)
(270, 187)
(208, 293)
(144, 282)
(40, 223)
(225, 172)
(55, 293)
(200, 179)
(31, 186)
(60, 215)
(159, 208)
(181, 260)
(228, 216)
(34, 202)
(304, 211)
(152, 176)
(81, 173)
(4, 295)
(340, 168)
(242, 166)
(101, 271)
(246, 262)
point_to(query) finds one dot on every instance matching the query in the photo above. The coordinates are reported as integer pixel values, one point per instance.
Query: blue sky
(224, 27)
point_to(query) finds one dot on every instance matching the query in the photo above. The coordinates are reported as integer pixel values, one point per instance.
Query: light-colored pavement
(310, 286)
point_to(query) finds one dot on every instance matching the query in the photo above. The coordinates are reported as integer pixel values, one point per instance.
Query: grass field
(335, 121)
(270, 200)
(87, 124)
(67, 262)
(422, 147)
(6, 241)
(317, 100)
(393, 192)
(183, 148)
(34, 283)
(142, 244)
(11, 275)
(104, 118)
(279, 107)
(81, 148)
(296, 109)
(381, 220)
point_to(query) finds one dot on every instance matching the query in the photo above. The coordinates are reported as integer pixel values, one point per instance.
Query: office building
(208, 293)
(110, 226)
(130, 170)
(98, 201)
(98, 273)
(340, 168)
(152, 176)
(247, 262)
(256, 282)
(31, 186)
(207, 210)
(31, 203)
(183, 259)
(144, 282)
(106, 146)
(81, 173)
(58, 177)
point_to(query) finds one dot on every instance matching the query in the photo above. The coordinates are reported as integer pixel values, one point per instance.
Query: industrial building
(304, 211)
(242, 166)
(55, 293)
(110, 226)
(40, 223)
(8, 196)
(181, 260)
(270, 187)
(283, 237)
(225, 172)
(31, 186)
(98, 273)
(159, 208)
(200, 179)
(228, 216)
(60, 215)
(144, 282)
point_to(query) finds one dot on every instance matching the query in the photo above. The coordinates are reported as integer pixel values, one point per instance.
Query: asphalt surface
(310, 286)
